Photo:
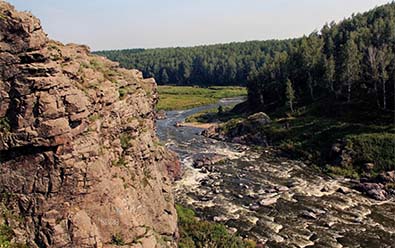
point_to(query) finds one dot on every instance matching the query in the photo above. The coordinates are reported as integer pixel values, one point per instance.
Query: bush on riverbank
(376, 148)
(200, 233)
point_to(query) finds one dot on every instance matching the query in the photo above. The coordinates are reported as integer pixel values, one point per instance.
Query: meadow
(185, 97)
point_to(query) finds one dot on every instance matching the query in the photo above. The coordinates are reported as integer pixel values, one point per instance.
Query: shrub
(195, 233)
(5, 125)
(125, 140)
(6, 235)
(377, 148)
(117, 239)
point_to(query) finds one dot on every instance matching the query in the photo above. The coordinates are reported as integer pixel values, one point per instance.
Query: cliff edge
(80, 164)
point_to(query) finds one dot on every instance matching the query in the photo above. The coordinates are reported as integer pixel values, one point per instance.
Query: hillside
(81, 165)
(330, 98)
(353, 62)
(337, 89)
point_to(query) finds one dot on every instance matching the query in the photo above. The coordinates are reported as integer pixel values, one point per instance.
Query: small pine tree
(164, 77)
(220, 110)
(290, 95)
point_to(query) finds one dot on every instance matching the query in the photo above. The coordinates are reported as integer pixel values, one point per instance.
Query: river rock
(308, 215)
(211, 132)
(374, 190)
(386, 177)
(206, 159)
(268, 201)
(343, 190)
(260, 118)
(161, 115)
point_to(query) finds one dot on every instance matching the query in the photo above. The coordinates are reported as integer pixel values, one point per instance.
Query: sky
(117, 24)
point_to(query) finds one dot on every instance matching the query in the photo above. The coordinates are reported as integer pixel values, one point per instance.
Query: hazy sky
(113, 24)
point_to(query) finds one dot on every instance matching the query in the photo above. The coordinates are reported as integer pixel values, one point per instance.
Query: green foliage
(125, 139)
(183, 97)
(120, 163)
(377, 148)
(124, 91)
(214, 115)
(6, 235)
(350, 61)
(349, 172)
(117, 239)
(290, 94)
(220, 110)
(222, 64)
(196, 233)
(5, 125)
(94, 117)
(2, 17)
(312, 131)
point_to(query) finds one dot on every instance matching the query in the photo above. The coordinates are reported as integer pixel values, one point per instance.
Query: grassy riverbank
(311, 133)
(185, 97)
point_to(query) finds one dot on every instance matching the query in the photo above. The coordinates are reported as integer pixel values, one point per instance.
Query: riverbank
(187, 97)
(271, 199)
(353, 144)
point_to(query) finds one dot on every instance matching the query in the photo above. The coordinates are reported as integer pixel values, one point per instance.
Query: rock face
(81, 165)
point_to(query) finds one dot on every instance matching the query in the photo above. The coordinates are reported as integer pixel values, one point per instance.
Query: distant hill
(222, 64)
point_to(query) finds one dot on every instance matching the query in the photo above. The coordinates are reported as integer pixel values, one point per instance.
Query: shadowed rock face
(80, 163)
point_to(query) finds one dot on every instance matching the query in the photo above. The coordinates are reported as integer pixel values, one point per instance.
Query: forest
(352, 60)
(222, 64)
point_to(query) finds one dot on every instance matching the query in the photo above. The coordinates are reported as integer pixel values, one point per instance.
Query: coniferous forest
(352, 61)
(222, 64)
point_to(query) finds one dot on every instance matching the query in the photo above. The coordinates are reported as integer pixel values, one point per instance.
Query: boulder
(161, 115)
(373, 190)
(260, 118)
(386, 177)
(206, 159)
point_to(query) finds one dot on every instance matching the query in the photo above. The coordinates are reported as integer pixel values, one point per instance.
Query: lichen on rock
(65, 174)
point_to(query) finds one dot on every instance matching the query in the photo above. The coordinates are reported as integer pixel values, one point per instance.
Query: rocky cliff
(80, 164)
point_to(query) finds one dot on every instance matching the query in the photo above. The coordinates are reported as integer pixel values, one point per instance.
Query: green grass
(376, 148)
(213, 115)
(6, 233)
(312, 131)
(5, 125)
(125, 139)
(185, 97)
(200, 233)
(117, 240)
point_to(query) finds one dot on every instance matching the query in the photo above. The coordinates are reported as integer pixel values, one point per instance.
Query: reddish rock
(65, 175)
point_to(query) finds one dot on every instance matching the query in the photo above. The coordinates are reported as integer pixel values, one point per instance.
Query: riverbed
(271, 199)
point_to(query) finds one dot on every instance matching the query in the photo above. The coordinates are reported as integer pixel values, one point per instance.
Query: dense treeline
(224, 64)
(352, 61)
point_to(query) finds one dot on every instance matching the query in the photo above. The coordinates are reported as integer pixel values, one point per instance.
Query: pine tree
(164, 78)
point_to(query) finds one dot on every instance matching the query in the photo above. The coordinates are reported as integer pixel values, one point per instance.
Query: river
(273, 200)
